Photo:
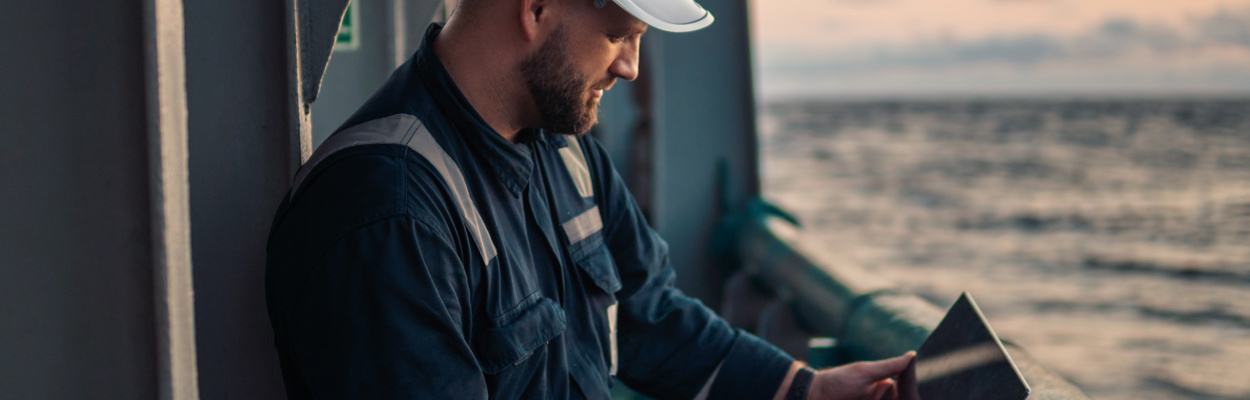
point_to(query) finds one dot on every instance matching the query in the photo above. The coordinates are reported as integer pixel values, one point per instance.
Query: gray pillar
(94, 273)
(241, 119)
(251, 70)
(704, 109)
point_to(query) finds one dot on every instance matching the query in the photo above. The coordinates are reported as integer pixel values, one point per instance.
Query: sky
(1008, 48)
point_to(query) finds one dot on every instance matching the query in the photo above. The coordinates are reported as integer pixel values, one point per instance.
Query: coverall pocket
(597, 263)
(593, 257)
(516, 335)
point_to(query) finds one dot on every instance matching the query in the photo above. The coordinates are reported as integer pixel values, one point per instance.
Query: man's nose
(626, 64)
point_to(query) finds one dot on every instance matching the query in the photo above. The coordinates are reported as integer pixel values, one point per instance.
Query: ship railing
(852, 313)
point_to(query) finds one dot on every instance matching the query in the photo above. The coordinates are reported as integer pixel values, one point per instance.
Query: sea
(1109, 238)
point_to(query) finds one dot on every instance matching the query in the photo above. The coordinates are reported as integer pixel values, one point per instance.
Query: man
(451, 241)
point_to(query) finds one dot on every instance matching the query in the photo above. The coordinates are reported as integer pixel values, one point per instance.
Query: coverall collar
(511, 162)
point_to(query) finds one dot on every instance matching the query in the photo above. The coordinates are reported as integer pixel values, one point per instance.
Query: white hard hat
(668, 15)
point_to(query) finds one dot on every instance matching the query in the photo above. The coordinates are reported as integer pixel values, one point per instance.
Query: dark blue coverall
(421, 255)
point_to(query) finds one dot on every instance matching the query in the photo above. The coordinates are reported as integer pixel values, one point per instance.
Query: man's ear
(535, 15)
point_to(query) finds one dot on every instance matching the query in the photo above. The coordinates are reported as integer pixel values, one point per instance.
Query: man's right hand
(864, 380)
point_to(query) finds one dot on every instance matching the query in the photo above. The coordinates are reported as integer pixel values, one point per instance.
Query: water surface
(1109, 238)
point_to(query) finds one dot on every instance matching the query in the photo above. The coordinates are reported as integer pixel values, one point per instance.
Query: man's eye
(615, 38)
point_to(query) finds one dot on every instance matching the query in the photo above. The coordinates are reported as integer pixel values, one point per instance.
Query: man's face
(580, 59)
(559, 90)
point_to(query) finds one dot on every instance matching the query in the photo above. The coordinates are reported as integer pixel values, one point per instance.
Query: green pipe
(869, 316)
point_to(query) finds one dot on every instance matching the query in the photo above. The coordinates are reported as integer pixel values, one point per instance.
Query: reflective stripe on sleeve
(707, 386)
(612, 337)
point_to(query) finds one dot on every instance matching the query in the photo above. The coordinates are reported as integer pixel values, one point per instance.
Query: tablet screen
(962, 359)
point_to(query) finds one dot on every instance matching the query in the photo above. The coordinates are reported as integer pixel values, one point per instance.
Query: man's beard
(558, 89)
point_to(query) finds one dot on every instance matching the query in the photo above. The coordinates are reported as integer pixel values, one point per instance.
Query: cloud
(1227, 27)
(1115, 37)
(1118, 47)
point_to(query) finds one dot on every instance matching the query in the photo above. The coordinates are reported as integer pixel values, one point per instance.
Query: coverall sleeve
(670, 344)
(384, 316)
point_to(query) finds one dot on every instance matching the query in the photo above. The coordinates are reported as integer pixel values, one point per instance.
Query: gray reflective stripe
(424, 144)
(586, 224)
(582, 226)
(394, 129)
(407, 130)
(612, 337)
(707, 387)
(589, 222)
(575, 162)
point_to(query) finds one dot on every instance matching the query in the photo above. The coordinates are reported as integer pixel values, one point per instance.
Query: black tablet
(962, 359)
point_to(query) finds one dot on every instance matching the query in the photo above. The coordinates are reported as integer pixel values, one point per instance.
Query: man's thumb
(877, 370)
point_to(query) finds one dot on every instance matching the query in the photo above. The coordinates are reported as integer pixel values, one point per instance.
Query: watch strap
(801, 382)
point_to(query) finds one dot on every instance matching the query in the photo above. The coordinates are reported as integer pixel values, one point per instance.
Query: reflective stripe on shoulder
(407, 130)
(575, 162)
(425, 145)
(395, 129)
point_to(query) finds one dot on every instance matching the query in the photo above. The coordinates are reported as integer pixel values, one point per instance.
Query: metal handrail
(871, 318)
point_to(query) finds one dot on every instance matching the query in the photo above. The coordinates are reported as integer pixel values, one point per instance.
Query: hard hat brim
(670, 23)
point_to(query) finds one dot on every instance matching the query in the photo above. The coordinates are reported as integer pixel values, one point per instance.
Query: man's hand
(870, 380)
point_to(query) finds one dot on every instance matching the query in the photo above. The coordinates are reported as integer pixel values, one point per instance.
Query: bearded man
(459, 238)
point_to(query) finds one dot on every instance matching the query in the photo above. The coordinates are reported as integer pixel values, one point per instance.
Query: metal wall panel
(354, 74)
(239, 126)
(246, 125)
(76, 274)
(705, 122)
(391, 30)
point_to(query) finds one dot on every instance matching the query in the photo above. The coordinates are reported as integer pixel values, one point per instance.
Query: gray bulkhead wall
(355, 72)
(93, 206)
(390, 32)
(238, 123)
(240, 127)
(701, 120)
(76, 295)
(704, 116)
